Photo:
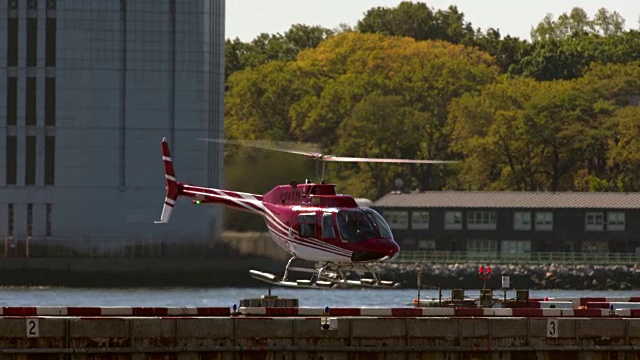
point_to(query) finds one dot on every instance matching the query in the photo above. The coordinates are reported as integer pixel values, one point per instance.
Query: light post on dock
(486, 296)
(484, 275)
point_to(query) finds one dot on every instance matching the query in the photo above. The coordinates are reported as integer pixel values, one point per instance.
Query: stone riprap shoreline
(234, 271)
(569, 277)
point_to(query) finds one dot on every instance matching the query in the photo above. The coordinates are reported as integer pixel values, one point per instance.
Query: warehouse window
(482, 220)
(453, 220)
(521, 220)
(397, 219)
(482, 246)
(420, 220)
(594, 221)
(544, 221)
(615, 221)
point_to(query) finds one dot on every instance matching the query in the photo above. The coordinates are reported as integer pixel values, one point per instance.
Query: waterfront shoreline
(234, 272)
(535, 277)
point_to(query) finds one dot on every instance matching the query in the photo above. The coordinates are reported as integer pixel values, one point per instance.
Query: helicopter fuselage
(311, 221)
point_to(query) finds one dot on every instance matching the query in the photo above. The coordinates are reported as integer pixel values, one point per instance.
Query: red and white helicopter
(310, 221)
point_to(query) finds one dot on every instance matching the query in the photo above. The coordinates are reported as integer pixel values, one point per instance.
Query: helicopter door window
(307, 225)
(327, 226)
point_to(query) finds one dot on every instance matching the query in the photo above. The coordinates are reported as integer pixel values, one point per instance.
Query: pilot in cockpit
(354, 226)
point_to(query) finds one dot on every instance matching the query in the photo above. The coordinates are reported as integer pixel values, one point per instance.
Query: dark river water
(226, 297)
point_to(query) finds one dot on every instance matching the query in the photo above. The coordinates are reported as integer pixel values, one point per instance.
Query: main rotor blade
(383, 160)
(276, 146)
(286, 148)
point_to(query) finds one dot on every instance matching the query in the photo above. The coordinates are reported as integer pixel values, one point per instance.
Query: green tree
(527, 135)
(309, 99)
(617, 86)
(569, 58)
(578, 23)
(425, 74)
(608, 23)
(490, 131)
(507, 51)
(624, 150)
(378, 126)
(258, 101)
(418, 21)
(265, 47)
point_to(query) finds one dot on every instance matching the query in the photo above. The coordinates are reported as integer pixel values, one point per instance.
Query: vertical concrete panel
(4, 224)
(20, 220)
(3, 148)
(39, 213)
(40, 152)
(21, 140)
(3, 46)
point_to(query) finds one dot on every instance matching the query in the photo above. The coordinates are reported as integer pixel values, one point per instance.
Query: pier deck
(354, 333)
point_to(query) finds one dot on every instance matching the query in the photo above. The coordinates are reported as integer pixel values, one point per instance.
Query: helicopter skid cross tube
(327, 276)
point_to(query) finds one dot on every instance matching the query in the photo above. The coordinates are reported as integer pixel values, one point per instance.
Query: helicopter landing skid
(324, 279)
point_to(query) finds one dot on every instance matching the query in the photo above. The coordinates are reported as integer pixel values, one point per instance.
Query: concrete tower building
(88, 89)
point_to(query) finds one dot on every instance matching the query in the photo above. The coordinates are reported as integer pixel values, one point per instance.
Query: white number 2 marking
(33, 328)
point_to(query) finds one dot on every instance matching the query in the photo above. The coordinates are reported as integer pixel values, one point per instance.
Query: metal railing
(577, 258)
(260, 244)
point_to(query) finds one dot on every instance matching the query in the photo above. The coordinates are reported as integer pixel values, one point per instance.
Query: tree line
(557, 113)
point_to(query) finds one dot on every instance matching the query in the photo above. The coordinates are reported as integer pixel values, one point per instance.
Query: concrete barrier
(304, 338)
(123, 311)
(429, 312)
(113, 311)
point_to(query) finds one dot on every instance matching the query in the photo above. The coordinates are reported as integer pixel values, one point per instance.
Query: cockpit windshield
(356, 225)
(383, 227)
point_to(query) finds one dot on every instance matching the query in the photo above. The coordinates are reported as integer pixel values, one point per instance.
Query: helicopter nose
(377, 250)
(393, 250)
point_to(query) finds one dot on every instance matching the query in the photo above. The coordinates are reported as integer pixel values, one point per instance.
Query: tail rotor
(173, 189)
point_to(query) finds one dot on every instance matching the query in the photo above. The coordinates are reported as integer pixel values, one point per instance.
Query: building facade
(514, 222)
(88, 89)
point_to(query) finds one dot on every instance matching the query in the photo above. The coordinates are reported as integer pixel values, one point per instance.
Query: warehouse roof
(510, 199)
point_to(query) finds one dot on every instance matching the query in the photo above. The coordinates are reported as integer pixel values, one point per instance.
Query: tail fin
(172, 186)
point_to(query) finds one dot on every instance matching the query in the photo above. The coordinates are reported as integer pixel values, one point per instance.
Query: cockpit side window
(327, 226)
(307, 225)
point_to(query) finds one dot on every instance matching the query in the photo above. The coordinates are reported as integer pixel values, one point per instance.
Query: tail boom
(232, 199)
